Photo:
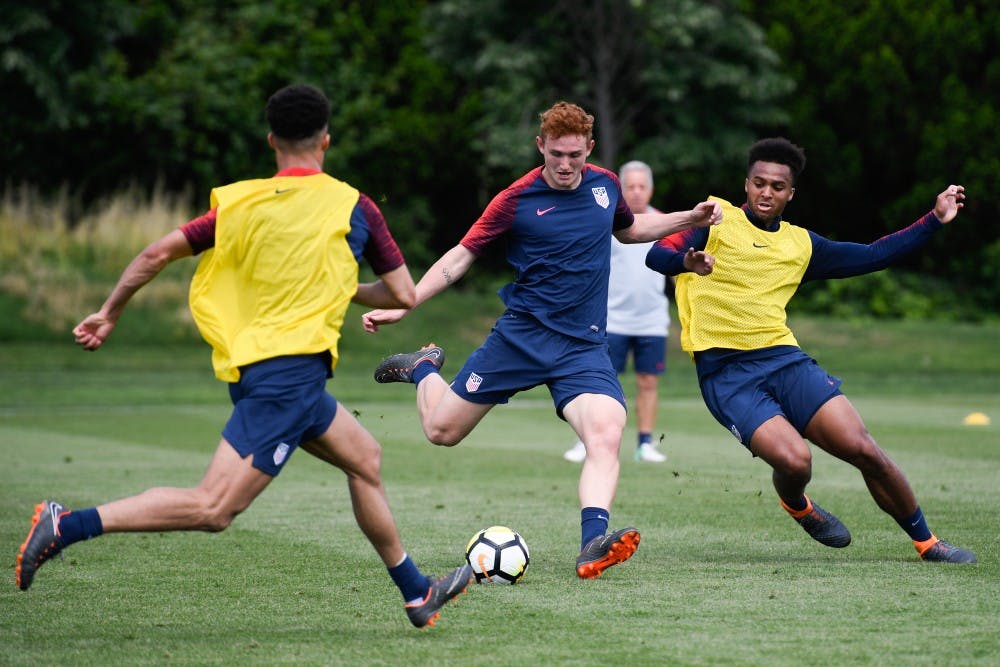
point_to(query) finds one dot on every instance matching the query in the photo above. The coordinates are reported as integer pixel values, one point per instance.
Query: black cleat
(606, 550)
(41, 544)
(943, 552)
(425, 612)
(824, 527)
(399, 367)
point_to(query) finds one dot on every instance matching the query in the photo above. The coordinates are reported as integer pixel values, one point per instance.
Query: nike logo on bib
(539, 211)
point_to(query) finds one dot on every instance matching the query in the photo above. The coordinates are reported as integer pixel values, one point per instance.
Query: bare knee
(213, 515)
(443, 436)
(794, 464)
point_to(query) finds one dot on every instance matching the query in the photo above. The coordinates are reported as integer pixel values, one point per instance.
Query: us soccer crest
(601, 196)
(472, 384)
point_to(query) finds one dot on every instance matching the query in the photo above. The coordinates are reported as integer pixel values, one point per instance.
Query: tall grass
(56, 266)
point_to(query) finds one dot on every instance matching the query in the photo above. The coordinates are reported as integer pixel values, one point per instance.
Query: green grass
(723, 576)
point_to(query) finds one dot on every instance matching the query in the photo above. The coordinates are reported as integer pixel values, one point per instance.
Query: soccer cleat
(43, 542)
(606, 550)
(399, 367)
(648, 452)
(425, 612)
(821, 525)
(577, 453)
(940, 551)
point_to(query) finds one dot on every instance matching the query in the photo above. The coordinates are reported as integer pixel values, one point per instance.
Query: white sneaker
(577, 453)
(649, 453)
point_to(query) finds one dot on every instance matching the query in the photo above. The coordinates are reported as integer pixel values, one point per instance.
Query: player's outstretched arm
(654, 226)
(94, 329)
(949, 203)
(393, 289)
(447, 270)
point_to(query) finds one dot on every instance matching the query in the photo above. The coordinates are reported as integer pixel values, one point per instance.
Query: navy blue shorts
(521, 353)
(279, 404)
(649, 353)
(745, 393)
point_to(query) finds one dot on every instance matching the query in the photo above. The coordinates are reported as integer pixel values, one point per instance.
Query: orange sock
(798, 514)
(926, 544)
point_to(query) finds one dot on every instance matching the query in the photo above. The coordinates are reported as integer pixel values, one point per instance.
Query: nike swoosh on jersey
(279, 191)
(760, 246)
(540, 211)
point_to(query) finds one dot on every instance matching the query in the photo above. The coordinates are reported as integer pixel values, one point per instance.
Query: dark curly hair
(780, 151)
(297, 112)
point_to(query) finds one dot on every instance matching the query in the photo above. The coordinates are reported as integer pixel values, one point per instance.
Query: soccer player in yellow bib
(279, 267)
(733, 283)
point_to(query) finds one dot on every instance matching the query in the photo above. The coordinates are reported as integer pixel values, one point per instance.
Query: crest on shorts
(472, 384)
(280, 453)
(601, 196)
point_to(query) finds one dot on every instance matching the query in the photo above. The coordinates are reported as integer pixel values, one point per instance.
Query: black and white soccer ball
(497, 554)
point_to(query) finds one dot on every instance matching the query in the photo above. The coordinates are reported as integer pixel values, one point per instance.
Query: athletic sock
(645, 439)
(797, 509)
(422, 370)
(916, 526)
(79, 525)
(593, 523)
(412, 583)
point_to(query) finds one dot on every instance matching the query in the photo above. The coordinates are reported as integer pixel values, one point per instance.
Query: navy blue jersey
(559, 243)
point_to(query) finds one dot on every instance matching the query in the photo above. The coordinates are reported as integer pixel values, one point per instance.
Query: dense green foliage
(436, 102)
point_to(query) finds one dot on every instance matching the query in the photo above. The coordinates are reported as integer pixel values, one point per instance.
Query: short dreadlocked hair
(780, 151)
(564, 119)
(298, 112)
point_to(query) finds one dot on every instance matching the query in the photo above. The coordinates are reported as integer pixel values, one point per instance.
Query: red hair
(565, 119)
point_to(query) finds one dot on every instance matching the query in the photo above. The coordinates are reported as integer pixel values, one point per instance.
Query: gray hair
(636, 165)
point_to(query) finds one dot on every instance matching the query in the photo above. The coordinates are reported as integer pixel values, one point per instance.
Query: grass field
(723, 576)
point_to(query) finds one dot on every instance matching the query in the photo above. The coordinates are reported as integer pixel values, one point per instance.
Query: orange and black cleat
(399, 367)
(41, 544)
(424, 613)
(606, 550)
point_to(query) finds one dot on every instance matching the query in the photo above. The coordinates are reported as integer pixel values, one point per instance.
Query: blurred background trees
(436, 106)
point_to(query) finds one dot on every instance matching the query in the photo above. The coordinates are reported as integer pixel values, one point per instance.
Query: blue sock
(593, 523)
(80, 525)
(645, 439)
(916, 526)
(420, 371)
(412, 583)
(799, 504)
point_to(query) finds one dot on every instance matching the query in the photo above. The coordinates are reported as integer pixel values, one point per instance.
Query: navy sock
(420, 371)
(80, 525)
(799, 504)
(645, 439)
(412, 583)
(916, 526)
(593, 523)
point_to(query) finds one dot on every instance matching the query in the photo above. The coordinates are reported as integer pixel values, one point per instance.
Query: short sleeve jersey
(559, 243)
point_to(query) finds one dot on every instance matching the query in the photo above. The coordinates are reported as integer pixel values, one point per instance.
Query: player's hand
(373, 319)
(949, 203)
(706, 214)
(698, 261)
(93, 331)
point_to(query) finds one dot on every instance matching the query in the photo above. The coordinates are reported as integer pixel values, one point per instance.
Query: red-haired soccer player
(557, 220)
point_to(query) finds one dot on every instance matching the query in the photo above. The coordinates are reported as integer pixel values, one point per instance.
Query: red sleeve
(498, 217)
(200, 232)
(380, 250)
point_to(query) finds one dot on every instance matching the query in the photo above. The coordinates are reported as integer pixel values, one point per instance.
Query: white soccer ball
(497, 554)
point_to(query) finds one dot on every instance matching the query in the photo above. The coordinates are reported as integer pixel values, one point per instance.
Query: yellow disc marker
(976, 419)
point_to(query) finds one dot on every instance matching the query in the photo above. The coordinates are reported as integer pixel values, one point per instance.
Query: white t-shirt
(637, 305)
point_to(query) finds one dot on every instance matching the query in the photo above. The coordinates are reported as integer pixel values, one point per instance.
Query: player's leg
(347, 445)
(838, 429)
(445, 416)
(228, 487)
(599, 419)
(778, 443)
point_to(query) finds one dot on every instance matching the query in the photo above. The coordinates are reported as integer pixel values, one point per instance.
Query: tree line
(436, 103)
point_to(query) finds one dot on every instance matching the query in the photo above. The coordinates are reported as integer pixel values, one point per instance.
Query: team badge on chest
(601, 196)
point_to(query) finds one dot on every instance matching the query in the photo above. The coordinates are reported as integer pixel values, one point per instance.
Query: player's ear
(270, 139)
(541, 145)
(326, 142)
(791, 193)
